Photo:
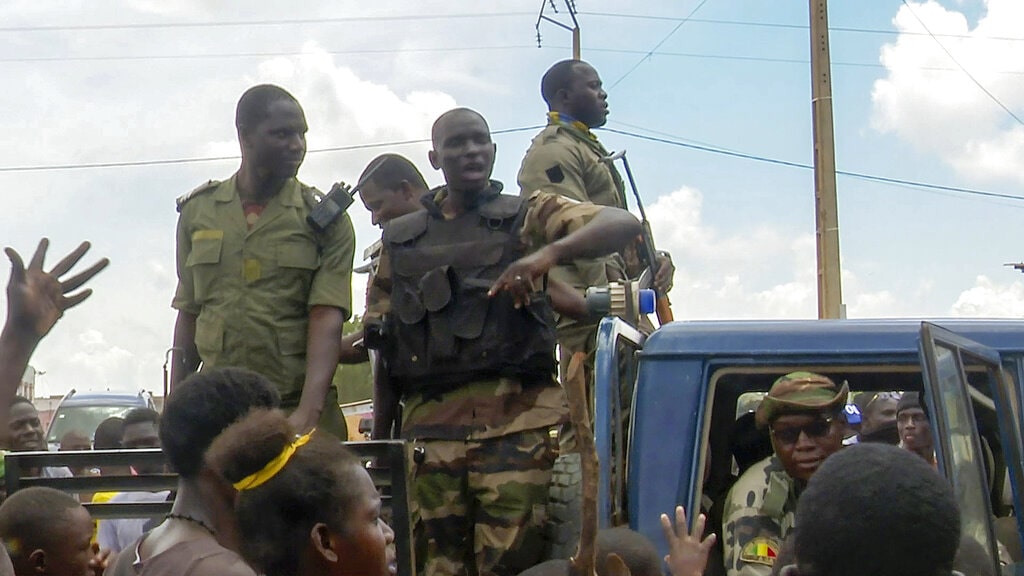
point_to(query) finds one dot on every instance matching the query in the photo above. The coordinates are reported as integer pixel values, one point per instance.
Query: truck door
(947, 361)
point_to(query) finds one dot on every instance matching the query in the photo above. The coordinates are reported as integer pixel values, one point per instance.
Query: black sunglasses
(816, 429)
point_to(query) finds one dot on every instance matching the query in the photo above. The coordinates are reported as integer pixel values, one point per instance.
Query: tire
(564, 507)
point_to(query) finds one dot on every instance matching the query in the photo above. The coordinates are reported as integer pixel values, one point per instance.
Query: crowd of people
(471, 288)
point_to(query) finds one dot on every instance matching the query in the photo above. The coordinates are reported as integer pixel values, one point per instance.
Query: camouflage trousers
(479, 505)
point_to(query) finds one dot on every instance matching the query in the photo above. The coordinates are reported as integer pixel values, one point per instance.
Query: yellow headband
(274, 466)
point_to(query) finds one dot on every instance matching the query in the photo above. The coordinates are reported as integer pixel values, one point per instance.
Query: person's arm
(35, 301)
(567, 300)
(567, 230)
(185, 356)
(330, 304)
(322, 342)
(385, 404)
(350, 353)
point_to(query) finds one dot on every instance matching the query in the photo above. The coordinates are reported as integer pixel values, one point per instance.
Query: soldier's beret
(799, 393)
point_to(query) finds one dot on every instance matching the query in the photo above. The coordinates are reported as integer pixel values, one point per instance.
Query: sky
(113, 108)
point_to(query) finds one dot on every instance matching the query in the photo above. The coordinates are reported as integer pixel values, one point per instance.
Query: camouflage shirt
(500, 406)
(759, 513)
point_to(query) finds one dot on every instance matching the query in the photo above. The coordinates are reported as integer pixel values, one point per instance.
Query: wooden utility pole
(570, 5)
(830, 289)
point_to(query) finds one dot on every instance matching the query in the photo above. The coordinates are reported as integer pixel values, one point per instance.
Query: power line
(802, 27)
(658, 45)
(961, 67)
(672, 141)
(275, 22)
(172, 161)
(788, 164)
(369, 51)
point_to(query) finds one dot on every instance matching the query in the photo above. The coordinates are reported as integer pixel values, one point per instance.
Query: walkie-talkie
(337, 201)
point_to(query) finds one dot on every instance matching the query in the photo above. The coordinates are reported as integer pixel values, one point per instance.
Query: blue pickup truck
(667, 436)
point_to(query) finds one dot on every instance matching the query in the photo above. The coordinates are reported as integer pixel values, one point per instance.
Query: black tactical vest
(443, 331)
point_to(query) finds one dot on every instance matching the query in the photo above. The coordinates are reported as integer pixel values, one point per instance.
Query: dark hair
(19, 399)
(108, 434)
(142, 416)
(883, 506)
(911, 400)
(558, 77)
(202, 406)
(392, 171)
(254, 105)
(636, 551)
(275, 518)
(32, 515)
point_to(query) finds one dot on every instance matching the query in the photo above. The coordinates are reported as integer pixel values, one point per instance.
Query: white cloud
(943, 112)
(989, 299)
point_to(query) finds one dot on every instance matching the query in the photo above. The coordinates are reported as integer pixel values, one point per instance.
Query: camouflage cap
(800, 392)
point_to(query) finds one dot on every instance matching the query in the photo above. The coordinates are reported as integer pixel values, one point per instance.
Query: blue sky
(87, 84)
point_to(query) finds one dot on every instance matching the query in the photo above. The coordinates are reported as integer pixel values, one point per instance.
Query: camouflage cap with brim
(800, 393)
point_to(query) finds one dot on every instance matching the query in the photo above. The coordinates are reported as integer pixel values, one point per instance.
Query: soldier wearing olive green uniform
(253, 275)
(566, 158)
(760, 508)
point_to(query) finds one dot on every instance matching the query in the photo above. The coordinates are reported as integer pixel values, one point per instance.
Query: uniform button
(415, 358)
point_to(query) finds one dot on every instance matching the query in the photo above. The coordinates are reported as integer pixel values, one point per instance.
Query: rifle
(648, 253)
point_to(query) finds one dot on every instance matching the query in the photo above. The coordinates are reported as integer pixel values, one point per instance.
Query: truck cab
(670, 407)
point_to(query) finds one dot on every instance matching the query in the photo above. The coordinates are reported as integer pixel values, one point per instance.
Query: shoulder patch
(555, 174)
(760, 550)
(202, 188)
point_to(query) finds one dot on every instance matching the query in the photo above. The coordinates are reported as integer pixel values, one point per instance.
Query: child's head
(305, 505)
(46, 531)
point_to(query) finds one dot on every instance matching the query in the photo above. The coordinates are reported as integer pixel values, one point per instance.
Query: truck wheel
(564, 500)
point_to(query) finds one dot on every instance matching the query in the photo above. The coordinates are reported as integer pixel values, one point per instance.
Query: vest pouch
(527, 337)
(406, 304)
(436, 292)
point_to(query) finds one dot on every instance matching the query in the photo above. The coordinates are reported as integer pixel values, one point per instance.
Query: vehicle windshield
(81, 419)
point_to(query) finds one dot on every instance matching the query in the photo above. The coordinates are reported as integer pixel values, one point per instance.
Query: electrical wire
(172, 161)
(777, 162)
(658, 45)
(274, 22)
(672, 141)
(961, 67)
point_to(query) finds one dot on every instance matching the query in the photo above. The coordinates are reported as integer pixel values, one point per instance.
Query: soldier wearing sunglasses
(803, 413)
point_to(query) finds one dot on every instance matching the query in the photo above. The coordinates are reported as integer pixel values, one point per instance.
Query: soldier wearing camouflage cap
(803, 413)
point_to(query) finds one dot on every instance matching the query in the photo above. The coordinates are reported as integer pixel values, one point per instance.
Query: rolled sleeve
(332, 284)
(551, 216)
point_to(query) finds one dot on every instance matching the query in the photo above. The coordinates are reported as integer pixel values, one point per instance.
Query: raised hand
(688, 554)
(37, 299)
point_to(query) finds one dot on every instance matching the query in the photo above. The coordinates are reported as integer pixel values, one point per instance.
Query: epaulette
(311, 195)
(184, 198)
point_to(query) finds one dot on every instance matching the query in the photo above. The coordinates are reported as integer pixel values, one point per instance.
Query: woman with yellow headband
(305, 504)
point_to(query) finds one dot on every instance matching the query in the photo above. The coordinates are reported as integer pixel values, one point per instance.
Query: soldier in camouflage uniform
(469, 343)
(566, 158)
(258, 287)
(804, 415)
(394, 189)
